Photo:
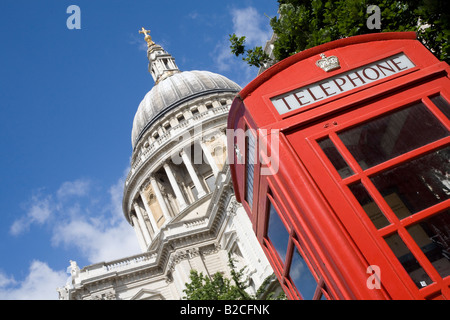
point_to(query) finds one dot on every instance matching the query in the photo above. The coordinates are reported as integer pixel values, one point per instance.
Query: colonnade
(143, 218)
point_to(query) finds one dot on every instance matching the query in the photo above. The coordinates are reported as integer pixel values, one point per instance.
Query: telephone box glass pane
(277, 233)
(392, 135)
(369, 206)
(408, 261)
(302, 276)
(442, 104)
(417, 184)
(432, 235)
(335, 157)
(250, 162)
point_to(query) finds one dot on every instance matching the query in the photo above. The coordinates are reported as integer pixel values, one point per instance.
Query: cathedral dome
(173, 91)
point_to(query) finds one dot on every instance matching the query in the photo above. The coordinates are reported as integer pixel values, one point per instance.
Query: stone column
(148, 234)
(181, 273)
(139, 233)
(160, 199)
(149, 213)
(210, 158)
(175, 186)
(190, 168)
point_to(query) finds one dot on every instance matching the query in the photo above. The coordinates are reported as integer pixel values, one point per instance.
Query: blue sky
(67, 99)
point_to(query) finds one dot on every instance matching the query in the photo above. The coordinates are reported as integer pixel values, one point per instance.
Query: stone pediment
(146, 294)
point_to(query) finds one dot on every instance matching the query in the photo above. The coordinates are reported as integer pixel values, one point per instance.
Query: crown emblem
(328, 63)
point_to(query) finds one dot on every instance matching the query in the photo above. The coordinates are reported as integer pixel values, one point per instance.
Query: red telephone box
(341, 159)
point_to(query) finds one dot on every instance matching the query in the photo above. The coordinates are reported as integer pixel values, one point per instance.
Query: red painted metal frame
(363, 176)
(326, 223)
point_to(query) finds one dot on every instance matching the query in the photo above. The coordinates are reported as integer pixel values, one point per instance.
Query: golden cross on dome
(147, 38)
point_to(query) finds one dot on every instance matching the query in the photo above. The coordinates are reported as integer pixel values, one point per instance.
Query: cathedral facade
(178, 195)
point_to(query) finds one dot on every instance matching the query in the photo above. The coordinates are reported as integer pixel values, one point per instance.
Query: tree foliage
(218, 287)
(202, 287)
(254, 57)
(303, 24)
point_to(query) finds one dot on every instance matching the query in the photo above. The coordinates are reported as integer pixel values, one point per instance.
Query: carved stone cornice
(110, 295)
(233, 206)
(180, 255)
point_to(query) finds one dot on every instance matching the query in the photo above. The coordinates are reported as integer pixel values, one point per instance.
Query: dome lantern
(161, 63)
(172, 88)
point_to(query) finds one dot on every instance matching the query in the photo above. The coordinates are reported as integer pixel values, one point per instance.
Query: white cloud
(40, 284)
(81, 218)
(193, 15)
(41, 206)
(250, 23)
(137, 41)
(255, 27)
(222, 56)
(5, 281)
(77, 188)
(101, 237)
(19, 226)
(39, 210)
(116, 194)
(95, 241)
